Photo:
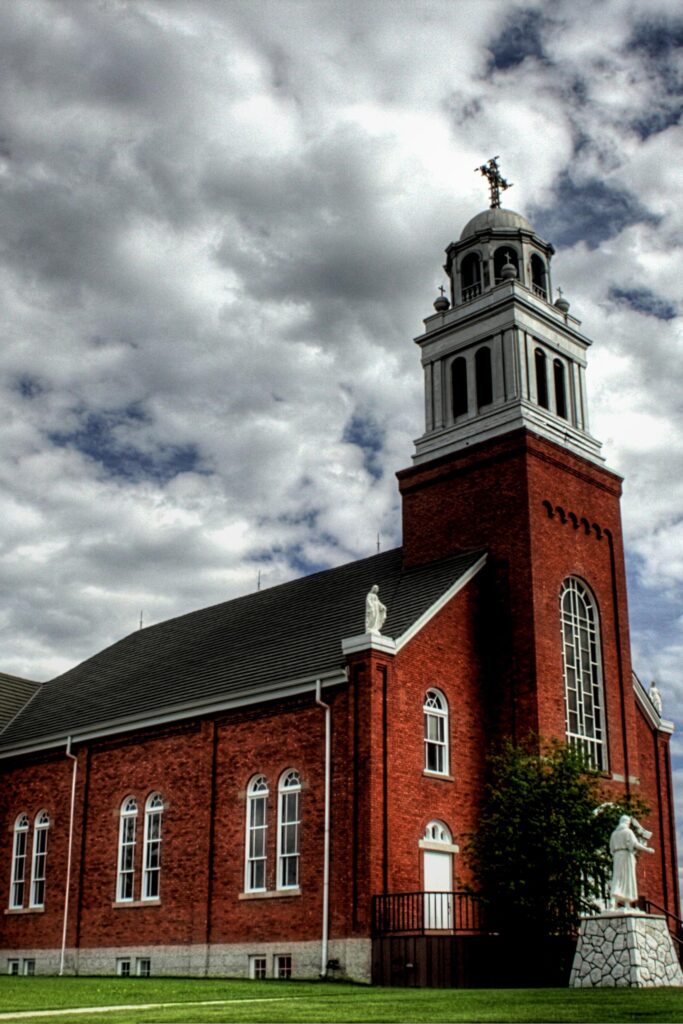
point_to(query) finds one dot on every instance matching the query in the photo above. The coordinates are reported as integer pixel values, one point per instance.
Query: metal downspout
(326, 840)
(74, 776)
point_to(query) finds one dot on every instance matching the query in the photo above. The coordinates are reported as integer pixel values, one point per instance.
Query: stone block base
(622, 948)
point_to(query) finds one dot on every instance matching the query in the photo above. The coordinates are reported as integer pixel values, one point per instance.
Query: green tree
(541, 854)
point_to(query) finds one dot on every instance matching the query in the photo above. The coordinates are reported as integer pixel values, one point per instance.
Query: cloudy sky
(221, 224)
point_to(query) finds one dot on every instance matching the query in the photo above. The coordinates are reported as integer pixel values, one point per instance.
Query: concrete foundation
(224, 960)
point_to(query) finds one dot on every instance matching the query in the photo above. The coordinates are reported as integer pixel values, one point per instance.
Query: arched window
(127, 828)
(582, 664)
(482, 376)
(560, 389)
(19, 847)
(154, 809)
(538, 276)
(40, 829)
(502, 256)
(470, 276)
(541, 378)
(435, 712)
(459, 386)
(257, 826)
(288, 824)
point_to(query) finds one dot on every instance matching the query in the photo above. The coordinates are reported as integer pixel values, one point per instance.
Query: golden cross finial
(497, 182)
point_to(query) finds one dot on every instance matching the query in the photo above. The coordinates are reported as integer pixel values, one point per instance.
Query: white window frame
(436, 728)
(128, 818)
(123, 967)
(254, 960)
(151, 874)
(39, 861)
(19, 856)
(28, 967)
(256, 840)
(288, 829)
(143, 967)
(282, 966)
(14, 967)
(582, 672)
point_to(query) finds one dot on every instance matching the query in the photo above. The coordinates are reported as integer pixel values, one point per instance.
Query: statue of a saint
(375, 612)
(655, 697)
(624, 847)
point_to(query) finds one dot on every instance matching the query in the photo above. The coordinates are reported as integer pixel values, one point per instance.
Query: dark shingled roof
(243, 647)
(14, 695)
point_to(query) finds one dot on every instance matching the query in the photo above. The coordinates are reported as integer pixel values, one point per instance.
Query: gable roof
(15, 693)
(242, 650)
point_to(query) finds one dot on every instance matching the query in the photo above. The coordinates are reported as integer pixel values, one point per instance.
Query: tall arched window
(435, 713)
(482, 376)
(541, 378)
(154, 809)
(538, 276)
(289, 820)
(560, 389)
(582, 663)
(470, 276)
(39, 865)
(257, 827)
(19, 848)
(127, 829)
(459, 387)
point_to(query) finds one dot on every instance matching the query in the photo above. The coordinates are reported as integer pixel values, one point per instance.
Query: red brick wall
(199, 892)
(43, 784)
(657, 874)
(543, 514)
(445, 654)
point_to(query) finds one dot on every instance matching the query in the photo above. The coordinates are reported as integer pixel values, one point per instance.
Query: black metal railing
(415, 913)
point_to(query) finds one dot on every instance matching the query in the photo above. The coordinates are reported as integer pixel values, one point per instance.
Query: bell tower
(507, 463)
(500, 355)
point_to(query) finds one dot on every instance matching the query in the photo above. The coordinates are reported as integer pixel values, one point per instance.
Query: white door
(438, 883)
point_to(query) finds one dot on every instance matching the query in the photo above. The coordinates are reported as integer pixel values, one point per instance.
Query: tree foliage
(540, 856)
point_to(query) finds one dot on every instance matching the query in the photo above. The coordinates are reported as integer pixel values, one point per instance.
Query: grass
(264, 1001)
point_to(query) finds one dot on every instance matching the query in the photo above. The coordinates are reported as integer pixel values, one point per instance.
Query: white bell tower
(500, 355)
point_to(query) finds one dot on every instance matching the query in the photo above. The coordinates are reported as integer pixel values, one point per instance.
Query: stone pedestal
(624, 948)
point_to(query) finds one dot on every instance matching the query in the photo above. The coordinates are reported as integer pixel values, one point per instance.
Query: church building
(263, 787)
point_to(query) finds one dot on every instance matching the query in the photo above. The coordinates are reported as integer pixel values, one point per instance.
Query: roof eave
(178, 713)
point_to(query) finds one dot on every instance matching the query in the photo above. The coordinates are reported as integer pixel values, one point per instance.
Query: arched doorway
(438, 851)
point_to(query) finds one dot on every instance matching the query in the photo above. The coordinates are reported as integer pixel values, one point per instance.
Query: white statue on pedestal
(375, 612)
(624, 847)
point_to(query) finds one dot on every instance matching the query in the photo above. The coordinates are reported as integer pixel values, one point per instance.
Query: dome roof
(495, 218)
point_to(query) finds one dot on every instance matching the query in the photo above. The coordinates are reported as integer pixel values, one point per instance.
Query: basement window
(123, 967)
(283, 966)
(28, 967)
(258, 968)
(13, 967)
(143, 967)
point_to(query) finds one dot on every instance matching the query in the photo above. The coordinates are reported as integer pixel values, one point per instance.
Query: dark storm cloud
(520, 38)
(589, 211)
(642, 300)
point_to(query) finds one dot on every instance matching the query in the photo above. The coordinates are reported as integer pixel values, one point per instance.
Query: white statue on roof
(624, 847)
(375, 611)
(655, 697)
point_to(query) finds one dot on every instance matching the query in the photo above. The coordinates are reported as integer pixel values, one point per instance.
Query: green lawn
(314, 1001)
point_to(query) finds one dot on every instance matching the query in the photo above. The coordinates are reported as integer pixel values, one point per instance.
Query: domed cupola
(501, 355)
(492, 241)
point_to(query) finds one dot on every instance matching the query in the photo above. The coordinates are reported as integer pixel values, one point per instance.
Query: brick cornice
(498, 450)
